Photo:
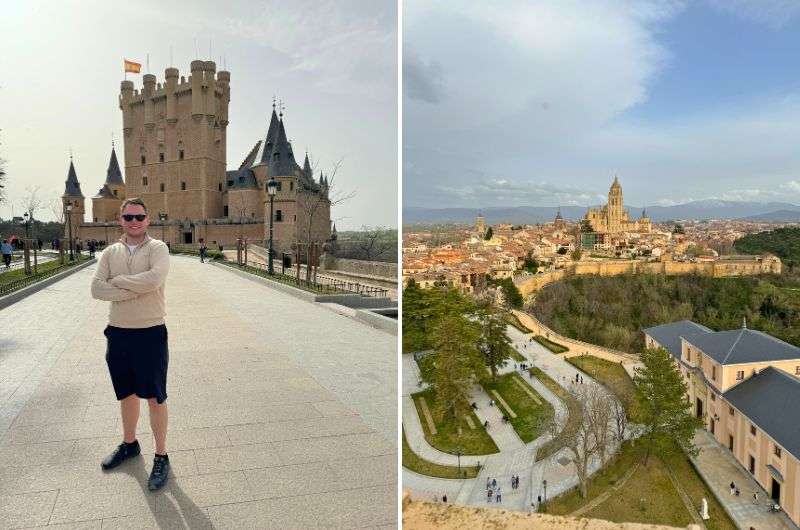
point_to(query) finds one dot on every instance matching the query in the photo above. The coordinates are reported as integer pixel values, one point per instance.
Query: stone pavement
(719, 468)
(282, 412)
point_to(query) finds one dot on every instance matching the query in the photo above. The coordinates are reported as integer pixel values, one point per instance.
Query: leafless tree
(239, 205)
(56, 207)
(373, 243)
(599, 409)
(310, 204)
(577, 437)
(32, 203)
(620, 418)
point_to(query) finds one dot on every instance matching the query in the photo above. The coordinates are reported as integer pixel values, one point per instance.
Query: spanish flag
(131, 66)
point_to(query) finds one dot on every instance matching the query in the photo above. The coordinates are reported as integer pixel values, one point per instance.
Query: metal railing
(25, 281)
(318, 284)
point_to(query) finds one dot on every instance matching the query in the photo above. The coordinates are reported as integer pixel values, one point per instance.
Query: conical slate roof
(307, 168)
(73, 187)
(282, 162)
(105, 192)
(113, 174)
(272, 134)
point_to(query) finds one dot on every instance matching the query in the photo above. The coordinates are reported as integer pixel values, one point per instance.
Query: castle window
(144, 160)
(144, 181)
(183, 185)
(291, 186)
(225, 211)
(752, 429)
(95, 219)
(730, 411)
(160, 157)
(219, 186)
(252, 214)
(777, 451)
(295, 218)
(115, 193)
(714, 372)
(161, 187)
(230, 183)
(278, 216)
(279, 186)
(276, 156)
(180, 154)
(740, 375)
(241, 180)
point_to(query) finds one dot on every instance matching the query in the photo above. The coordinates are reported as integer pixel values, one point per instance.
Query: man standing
(131, 275)
(6, 250)
(203, 249)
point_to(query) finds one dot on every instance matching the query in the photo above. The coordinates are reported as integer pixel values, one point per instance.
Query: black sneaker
(160, 473)
(123, 452)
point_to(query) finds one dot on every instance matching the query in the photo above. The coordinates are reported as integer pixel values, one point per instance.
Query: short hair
(134, 200)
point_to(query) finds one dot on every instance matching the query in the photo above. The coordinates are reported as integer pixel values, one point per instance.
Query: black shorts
(137, 361)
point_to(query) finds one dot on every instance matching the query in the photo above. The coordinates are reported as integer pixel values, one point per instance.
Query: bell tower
(74, 198)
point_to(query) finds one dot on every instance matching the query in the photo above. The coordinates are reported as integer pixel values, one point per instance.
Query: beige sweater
(133, 282)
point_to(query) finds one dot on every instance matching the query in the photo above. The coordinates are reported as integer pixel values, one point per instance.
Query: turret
(209, 69)
(198, 106)
(171, 74)
(73, 197)
(148, 92)
(125, 97)
(224, 82)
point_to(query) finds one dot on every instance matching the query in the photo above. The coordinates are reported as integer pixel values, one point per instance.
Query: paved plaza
(282, 412)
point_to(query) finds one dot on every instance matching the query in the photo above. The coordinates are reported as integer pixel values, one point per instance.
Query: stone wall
(717, 269)
(365, 268)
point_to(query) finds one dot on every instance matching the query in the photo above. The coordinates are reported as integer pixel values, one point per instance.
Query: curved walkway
(556, 468)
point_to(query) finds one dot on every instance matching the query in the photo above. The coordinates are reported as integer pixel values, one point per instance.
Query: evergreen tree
(456, 362)
(489, 234)
(511, 294)
(494, 345)
(667, 419)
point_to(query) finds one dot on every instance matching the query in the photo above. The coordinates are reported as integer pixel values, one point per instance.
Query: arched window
(278, 216)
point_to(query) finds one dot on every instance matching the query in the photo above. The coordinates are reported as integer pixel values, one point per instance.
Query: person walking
(489, 495)
(733, 487)
(92, 247)
(755, 497)
(203, 249)
(6, 249)
(131, 275)
(498, 495)
(494, 483)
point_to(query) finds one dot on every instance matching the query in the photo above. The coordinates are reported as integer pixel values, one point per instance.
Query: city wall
(716, 269)
(378, 269)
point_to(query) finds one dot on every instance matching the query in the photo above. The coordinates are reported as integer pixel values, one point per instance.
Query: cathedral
(175, 156)
(613, 218)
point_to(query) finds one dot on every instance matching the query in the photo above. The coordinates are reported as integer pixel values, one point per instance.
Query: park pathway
(282, 412)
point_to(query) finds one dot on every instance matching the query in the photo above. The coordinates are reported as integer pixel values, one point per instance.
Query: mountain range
(696, 210)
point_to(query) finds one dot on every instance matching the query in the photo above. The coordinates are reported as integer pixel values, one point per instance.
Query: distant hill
(706, 209)
(779, 216)
(783, 242)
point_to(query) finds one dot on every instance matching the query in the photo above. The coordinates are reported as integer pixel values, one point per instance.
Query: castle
(175, 160)
(613, 218)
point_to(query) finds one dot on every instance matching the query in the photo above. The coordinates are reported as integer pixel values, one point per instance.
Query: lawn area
(550, 345)
(43, 269)
(648, 496)
(573, 409)
(532, 418)
(517, 356)
(473, 441)
(614, 377)
(415, 463)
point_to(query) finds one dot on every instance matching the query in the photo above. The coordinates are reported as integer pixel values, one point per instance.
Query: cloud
(774, 14)
(504, 191)
(422, 80)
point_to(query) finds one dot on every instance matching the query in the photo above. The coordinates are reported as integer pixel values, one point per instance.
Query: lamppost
(162, 217)
(459, 452)
(69, 225)
(272, 187)
(544, 483)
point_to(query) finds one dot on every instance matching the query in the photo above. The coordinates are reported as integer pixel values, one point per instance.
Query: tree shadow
(171, 507)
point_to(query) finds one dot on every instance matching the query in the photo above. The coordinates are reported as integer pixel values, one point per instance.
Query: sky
(514, 103)
(333, 63)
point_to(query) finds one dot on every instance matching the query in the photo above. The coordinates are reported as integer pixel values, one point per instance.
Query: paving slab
(268, 397)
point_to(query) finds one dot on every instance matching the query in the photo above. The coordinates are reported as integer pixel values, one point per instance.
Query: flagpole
(148, 63)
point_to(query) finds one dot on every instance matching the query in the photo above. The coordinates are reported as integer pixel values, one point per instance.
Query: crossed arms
(129, 286)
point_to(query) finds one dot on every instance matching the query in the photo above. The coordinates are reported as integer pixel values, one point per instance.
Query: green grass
(417, 464)
(19, 274)
(615, 378)
(512, 320)
(550, 345)
(648, 496)
(573, 411)
(472, 441)
(532, 418)
(517, 356)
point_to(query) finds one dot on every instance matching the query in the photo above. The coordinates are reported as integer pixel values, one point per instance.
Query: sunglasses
(130, 217)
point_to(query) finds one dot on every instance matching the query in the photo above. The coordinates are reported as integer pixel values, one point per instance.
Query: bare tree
(577, 437)
(620, 418)
(239, 205)
(310, 204)
(56, 207)
(32, 203)
(2, 180)
(373, 243)
(599, 408)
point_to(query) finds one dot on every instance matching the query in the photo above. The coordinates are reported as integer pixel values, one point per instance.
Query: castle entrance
(187, 238)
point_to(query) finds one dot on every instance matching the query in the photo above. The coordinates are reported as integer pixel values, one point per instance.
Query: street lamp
(544, 483)
(162, 217)
(272, 187)
(458, 454)
(69, 225)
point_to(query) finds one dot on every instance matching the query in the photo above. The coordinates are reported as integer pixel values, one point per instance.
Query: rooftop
(742, 346)
(669, 335)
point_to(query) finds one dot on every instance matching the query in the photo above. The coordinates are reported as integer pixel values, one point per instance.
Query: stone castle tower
(105, 205)
(616, 212)
(480, 225)
(175, 141)
(74, 197)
